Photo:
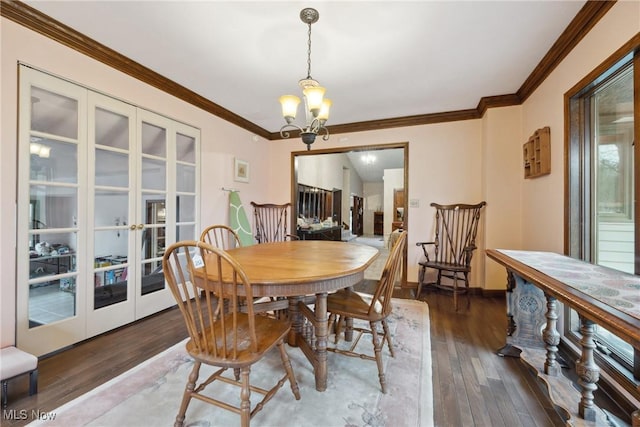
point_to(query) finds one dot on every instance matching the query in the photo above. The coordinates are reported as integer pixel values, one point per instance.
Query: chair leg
(186, 397)
(337, 324)
(286, 362)
(33, 382)
(421, 274)
(466, 285)
(387, 336)
(245, 395)
(5, 390)
(348, 329)
(377, 348)
(455, 291)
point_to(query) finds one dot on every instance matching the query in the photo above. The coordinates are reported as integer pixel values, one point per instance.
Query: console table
(600, 295)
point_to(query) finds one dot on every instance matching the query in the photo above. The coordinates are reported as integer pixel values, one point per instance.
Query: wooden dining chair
(220, 236)
(223, 237)
(453, 245)
(221, 335)
(271, 226)
(375, 309)
(271, 222)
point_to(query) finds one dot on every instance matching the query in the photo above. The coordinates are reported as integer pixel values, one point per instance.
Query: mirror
(350, 192)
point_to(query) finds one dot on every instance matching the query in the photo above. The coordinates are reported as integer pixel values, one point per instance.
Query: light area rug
(374, 271)
(150, 393)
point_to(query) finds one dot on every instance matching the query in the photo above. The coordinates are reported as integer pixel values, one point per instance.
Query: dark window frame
(578, 241)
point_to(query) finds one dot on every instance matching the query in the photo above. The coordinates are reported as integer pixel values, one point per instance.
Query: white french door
(167, 202)
(52, 242)
(112, 181)
(154, 212)
(104, 188)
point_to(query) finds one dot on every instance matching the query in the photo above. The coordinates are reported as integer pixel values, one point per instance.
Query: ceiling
(378, 59)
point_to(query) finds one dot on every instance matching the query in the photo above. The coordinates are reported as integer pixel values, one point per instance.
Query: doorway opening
(368, 179)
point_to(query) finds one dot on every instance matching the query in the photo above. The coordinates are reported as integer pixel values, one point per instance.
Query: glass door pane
(154, 140)
(110, 248)
(52, 278)
(53, 212)
(54, 113)
(153, 244)
(613, 119)
(111, 208)
(612, 115)
(186, 187)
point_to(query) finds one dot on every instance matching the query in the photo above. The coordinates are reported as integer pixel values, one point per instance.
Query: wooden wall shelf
(536, 153)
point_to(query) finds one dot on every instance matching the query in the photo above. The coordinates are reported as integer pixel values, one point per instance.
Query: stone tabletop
(612, 287)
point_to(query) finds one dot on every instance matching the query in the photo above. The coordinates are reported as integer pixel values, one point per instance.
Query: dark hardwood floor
(472, 385)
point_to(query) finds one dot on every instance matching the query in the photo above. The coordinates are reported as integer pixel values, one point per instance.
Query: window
(601, 187)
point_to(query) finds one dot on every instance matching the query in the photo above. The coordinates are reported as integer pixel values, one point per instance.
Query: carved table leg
(551, 338)
(587, 370)
(296, 321)
(348, 330)
(322, 332)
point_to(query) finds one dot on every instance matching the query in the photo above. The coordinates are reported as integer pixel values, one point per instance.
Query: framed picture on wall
(241, 170)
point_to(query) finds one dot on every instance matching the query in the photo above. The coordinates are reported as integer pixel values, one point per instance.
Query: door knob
(132, 227)
(140, 226)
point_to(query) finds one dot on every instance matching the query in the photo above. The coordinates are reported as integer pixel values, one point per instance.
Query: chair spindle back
(220, 236)
(270, 222)
(209, 305)
(455, 232)
(390, 274)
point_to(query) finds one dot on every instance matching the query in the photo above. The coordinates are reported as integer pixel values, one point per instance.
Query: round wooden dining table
(295, 269)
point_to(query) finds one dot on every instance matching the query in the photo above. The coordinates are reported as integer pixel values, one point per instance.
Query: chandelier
(316, 106)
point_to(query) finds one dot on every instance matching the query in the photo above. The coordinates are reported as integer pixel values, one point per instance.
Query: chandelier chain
(317, 107)
(309, 53)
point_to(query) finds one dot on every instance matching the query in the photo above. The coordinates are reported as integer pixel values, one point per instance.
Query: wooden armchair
(220, 236)
(221, 335)
(271, 222)
(348, 304)
(456, 227)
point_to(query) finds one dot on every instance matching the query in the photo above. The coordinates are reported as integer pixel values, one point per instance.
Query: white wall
(323, 171)
(502, 178)
(393, 179)
(373, 194)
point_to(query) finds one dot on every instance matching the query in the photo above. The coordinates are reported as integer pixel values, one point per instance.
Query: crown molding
(35, 20)
(579, 27)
